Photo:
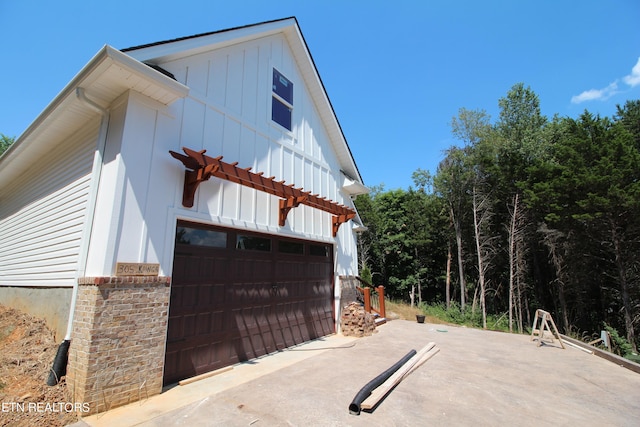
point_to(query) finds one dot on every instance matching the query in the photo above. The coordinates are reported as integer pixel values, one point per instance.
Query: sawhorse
(545, 319)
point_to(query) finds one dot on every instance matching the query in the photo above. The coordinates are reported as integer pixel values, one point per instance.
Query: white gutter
(96, 172)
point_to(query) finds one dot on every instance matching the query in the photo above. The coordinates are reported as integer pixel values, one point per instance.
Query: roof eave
(105, 67)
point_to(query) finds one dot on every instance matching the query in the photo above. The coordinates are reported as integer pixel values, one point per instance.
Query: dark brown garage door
(238, 295)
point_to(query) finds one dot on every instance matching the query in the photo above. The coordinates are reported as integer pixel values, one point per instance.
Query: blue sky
(396, 71)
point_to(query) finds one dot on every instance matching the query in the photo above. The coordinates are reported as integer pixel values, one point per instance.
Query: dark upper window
(289, 247)
(282, 100)
(201, 237)
(282, 87)
(319, 250)
(253, 243)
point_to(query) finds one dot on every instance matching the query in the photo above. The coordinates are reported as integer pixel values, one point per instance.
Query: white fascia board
(188, 46)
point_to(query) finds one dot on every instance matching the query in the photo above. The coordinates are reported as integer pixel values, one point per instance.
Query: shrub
(620, 345)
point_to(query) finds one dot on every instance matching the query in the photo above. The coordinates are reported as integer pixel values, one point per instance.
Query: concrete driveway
(478, 378)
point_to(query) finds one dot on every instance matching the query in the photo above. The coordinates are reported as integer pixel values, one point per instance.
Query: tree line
(525, 212)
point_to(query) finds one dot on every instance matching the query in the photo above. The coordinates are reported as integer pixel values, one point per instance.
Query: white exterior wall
(227, 112)
(42, 214)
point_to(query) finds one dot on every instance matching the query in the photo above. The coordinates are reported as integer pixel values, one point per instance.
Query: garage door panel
(235, 302)
(189, 296)
(203, 323)
(189, 325)
(174, 330)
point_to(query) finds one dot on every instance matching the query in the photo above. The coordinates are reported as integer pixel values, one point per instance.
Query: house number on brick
(137, 269)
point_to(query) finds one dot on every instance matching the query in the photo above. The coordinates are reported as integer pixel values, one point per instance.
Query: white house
(156, 258)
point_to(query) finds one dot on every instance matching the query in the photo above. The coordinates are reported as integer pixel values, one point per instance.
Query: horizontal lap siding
(42, 215)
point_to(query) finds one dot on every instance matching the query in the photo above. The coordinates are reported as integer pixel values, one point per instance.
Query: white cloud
(633, 79)
(596, 94)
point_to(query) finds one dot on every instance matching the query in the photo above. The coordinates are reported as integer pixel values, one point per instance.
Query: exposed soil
(27, 350)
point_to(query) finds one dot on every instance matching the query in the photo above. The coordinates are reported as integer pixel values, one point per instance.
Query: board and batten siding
(228, 113)
(42, 215)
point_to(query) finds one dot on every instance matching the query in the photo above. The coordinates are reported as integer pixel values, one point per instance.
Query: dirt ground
(27, 350)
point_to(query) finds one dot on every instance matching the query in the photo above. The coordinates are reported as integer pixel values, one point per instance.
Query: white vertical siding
(42, 215)
(228, 113)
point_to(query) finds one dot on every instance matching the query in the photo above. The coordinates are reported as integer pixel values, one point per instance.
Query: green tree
(629, 117)
(5, 142)
(589, 193)
(369, 249)
(453, 182)
(518, 142)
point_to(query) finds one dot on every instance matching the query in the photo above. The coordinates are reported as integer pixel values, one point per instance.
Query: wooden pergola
(200, 167)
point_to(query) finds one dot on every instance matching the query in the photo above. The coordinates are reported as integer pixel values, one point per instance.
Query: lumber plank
(620, 361)
(205, 375)
(422, 361)
(570, 344)
(422, 356)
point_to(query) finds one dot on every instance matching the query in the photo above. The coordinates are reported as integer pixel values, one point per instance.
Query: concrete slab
(478, 378)
(178, 396)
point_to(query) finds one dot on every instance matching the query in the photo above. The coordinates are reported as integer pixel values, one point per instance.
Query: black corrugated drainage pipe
(59, 368)
(354, 407)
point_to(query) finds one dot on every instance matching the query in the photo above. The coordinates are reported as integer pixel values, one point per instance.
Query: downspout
(59, 368)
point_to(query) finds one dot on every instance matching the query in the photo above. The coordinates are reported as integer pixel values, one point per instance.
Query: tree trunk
(412, 294)
(563, 306)
(463, 285)
(519, 258)
(512, 238)
(554, 241)
(474, 304)
(415, 250)
(624, 286)
(481, 267)
(447, 286)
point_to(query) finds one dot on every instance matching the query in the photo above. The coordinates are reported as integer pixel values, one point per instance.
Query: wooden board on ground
(412, 364)
(205, 375)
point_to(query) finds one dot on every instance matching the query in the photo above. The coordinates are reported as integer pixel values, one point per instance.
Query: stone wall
(118, 340)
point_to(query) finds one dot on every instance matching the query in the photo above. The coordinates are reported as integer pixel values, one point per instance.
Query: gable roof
(169, 50)
(111, 72)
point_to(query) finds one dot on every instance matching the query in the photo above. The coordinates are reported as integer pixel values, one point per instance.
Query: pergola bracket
(338, 220)
(286, 205)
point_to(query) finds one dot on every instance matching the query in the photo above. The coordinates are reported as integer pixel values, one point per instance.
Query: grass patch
(455, 315)
(439, 314)
(404, 311)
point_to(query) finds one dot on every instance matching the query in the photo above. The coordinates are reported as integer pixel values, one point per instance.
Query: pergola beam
(201, 167)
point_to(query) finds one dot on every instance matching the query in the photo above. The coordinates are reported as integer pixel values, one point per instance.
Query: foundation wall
(50, 304)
